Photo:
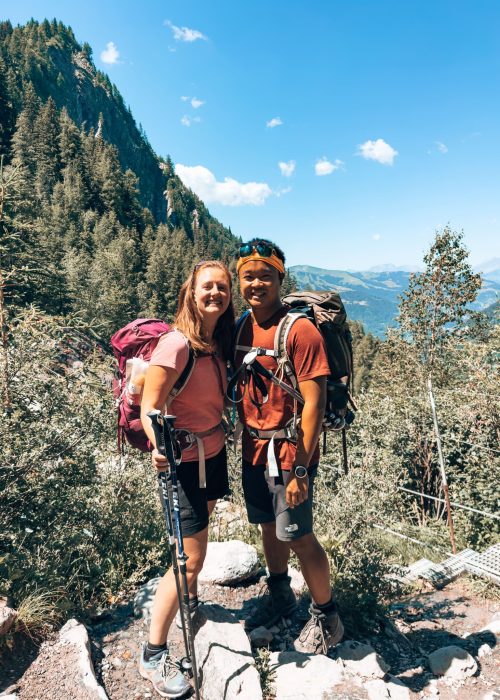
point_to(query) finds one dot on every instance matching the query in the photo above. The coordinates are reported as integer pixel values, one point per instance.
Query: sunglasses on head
(263, 249)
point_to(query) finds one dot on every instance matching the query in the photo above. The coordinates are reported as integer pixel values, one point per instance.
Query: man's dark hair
(279, 253)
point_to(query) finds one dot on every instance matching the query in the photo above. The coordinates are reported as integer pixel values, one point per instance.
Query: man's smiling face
(260, 285)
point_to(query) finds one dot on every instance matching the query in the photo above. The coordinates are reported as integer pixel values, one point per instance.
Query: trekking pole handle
(157, 424)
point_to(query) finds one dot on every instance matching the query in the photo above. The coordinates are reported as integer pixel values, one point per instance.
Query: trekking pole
(169, 497)
(344, 451)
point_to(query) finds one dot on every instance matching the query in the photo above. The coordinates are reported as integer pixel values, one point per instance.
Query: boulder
(63, 668)
(453, 662)
(361, 660)
(143, 599)
(224, 656)
(304, 676)
(298, 582)
(380, 690)
(229, 562)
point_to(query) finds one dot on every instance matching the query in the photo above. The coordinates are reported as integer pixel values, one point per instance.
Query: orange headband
(272, 260)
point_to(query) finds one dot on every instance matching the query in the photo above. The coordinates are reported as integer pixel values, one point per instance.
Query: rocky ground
(427, 621)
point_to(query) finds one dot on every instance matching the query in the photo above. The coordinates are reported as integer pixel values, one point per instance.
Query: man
(278, 472)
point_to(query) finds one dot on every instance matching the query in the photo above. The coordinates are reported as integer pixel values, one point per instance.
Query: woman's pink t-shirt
(200, 404)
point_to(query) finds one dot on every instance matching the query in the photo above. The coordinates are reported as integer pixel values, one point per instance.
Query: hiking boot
(164, 674)
(321, 631)
(278, 601)
(194, 604)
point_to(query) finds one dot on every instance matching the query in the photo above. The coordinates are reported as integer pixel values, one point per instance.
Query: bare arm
(157, 387)
(314, 394)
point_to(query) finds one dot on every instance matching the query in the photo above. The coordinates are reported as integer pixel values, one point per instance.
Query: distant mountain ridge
(373, 297)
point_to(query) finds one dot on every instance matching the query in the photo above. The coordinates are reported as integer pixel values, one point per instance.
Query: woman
(204, 321)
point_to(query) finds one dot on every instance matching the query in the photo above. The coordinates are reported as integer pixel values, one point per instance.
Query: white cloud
(186, 120)
(377, 150)
(376, 236)
(230, 192)
(287, 169)
(324, 167)
(110, 55)
(195, 102)
(442, 147)
(275, 121)
(185, 33)
(282, 191)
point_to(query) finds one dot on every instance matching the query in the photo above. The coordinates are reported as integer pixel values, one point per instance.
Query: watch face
(300, 472)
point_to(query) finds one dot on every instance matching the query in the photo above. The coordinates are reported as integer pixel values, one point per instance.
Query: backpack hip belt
(187, 438)
(289, 432)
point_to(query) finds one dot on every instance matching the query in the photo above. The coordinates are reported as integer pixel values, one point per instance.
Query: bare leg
(165, 603)
(193, 587)
(315, 567)
(276, 552)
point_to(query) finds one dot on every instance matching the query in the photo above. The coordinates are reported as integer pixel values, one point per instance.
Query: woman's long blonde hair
(189, 320)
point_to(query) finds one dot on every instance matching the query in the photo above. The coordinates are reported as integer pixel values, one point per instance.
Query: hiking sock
(274, 578)
(327, 608)
(153, 649)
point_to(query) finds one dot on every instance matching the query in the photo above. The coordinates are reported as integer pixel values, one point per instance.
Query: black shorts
(264, 506)
(192, 499)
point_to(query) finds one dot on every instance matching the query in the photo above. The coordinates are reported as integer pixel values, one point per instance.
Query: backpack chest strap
(261, 351)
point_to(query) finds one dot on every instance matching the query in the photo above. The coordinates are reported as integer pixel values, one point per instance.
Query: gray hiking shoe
(320, 633)
(277, 601)
(164, 674)
(194, 604)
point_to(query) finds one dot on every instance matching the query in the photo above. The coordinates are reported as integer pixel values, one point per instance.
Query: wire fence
(452, 503)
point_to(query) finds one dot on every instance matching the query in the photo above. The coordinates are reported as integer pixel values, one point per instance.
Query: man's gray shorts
(266, 502)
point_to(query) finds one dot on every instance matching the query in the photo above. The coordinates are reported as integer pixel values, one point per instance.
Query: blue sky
(384, 115)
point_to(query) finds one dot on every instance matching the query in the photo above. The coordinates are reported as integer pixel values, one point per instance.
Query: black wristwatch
(300, 471)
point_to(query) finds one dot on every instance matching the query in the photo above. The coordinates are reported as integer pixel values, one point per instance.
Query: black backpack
(327, 312)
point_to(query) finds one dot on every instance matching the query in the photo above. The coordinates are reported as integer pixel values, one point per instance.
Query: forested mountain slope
(94, 222)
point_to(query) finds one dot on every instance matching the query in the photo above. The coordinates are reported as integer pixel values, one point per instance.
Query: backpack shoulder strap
(237, 333)
(280, 343)
(185, 375)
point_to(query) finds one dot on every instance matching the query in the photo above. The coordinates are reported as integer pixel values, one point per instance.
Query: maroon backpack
(138, 339)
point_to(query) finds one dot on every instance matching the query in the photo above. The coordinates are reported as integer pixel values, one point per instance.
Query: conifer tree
(436, 305)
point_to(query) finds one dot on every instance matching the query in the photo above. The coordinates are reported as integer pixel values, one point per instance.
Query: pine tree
(436, 305)
(46, 146)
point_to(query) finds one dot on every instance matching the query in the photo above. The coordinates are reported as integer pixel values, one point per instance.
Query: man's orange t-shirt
(306, 349)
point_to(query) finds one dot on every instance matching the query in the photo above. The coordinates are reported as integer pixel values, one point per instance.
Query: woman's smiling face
(212, 292)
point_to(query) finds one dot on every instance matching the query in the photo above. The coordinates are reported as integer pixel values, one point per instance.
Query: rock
(261, 637)
(493, 626)
(304, 677)
(229, 562)
(484, 650)
(362, 660)
(143, 599)
(7, 619)
(73, 633)
(379, 690)
(298, 582)
(224, 656)
(453, 662)
(63, 668)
